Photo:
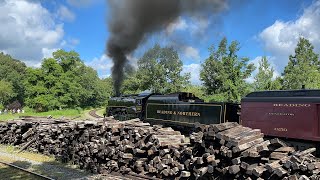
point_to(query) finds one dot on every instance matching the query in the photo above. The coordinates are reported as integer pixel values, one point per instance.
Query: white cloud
(255, 61)
(194, 70)
(103, 65)
(192, 53)
(28, 31)
(69, 43)
(280, 39)
(199, 25)
(104, 62)
(195, 25)
(65, 14)
(179, 24)
(47, 53)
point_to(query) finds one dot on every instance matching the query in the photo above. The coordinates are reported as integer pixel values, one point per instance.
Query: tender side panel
(283, 119)
(186, 114)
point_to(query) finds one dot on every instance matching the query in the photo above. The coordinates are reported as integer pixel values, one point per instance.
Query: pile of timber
(231, 151)
(101, 146)
(223, 151)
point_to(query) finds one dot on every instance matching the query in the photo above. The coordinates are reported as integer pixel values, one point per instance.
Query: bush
(79, 109)
(28, 109)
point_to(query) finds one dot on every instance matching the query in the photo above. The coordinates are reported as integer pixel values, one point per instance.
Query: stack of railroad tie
(230, 151)
(102, 146)
(224, 150)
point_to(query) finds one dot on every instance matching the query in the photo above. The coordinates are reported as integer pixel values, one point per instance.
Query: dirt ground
(43, 165)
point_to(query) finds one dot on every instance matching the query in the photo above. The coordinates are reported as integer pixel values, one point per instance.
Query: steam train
(293, 115)
(179, 109)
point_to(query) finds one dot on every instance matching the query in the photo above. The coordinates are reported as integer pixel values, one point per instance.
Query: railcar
(293, 115)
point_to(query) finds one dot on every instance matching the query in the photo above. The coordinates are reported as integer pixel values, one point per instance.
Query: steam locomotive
(179, 109)
(293, 115)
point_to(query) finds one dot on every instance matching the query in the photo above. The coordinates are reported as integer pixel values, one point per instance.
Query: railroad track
(34, 174)
(94, 114)
(112, 176)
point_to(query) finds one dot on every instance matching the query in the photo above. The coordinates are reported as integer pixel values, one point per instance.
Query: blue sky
(32, 29)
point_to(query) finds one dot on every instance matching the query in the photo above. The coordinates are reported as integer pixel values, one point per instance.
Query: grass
(8, 172)
(101, 111)
(48, 167)
(69, 113)
(25, 154)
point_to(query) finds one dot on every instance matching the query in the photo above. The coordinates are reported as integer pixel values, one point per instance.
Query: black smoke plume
(131, 21)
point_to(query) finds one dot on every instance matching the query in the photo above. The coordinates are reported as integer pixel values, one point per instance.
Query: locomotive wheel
(122, 116)
(125, 116)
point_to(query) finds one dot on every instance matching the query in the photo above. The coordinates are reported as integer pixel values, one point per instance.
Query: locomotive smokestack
(130, 21)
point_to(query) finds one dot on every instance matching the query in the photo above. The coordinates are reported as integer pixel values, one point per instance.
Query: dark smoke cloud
(130, 21)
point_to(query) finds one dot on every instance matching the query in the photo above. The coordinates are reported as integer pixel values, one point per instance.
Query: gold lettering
(280, 114)
(281, 129)
(180, 113)
(291, 105)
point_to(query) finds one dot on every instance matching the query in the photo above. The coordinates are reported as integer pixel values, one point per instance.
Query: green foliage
(224, 73)
(107, 86)
(13, 71)
(159, 70)
(6, 92)
(131, 85)
(263, 79)
(303, 67)
(197, 90)
(63, 81)
(221, 97)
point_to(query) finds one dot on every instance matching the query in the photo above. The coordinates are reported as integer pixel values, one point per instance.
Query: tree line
(64, 81)
(224, 74)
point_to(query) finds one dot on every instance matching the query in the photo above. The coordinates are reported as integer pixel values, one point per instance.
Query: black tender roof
(290, 93)
(303, 95)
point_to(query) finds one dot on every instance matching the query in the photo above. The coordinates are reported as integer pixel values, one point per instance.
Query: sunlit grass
(25, 154)
(57, 170)
(68, 113)
(101, 111)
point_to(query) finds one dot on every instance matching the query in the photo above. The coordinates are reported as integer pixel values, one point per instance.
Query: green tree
(197, 90)
(224, 73)
(13, 71)
(160, 69)
(264, 78)
(131, 85)
(6, 92)
(63, 81)
(302, 68)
